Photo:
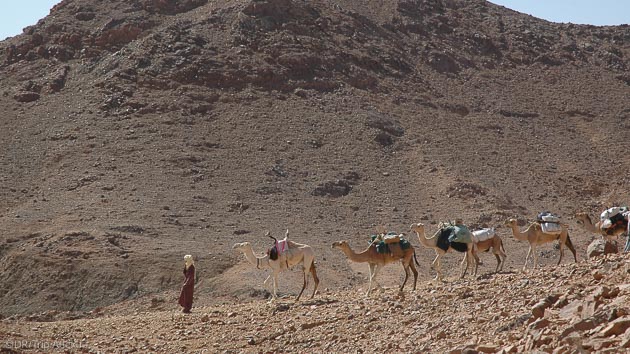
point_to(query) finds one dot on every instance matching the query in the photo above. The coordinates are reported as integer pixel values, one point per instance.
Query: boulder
(600, 247)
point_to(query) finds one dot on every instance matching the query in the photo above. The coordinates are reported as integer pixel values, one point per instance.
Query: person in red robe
(186, 294)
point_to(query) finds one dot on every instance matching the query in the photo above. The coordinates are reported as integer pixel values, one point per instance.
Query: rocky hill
(135, 132)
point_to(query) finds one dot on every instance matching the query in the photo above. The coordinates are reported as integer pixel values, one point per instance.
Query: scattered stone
(616, 327)
(26, 96)
(539, 309)
(488, 348)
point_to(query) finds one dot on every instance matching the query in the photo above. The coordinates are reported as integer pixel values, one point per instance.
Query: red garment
(186, 294)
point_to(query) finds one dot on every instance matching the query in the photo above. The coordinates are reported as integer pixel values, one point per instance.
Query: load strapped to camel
(483, 234)
(278, 248)
(549, 223)
(614, 217)
(384, 241)
(454, 234)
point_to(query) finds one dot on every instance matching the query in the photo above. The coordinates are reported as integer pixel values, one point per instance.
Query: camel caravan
(389, 247)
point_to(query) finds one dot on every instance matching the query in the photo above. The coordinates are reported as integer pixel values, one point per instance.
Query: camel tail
(569, 244)
(414, 258)
(502, 247)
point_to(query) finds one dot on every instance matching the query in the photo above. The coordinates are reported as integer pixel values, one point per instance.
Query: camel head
(419, 228)
(340, 244)
(581, 218)
(241, 246)
(511, 222)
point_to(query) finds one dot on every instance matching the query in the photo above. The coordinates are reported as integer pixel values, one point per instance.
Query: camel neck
(588, 224)
(424, 240)
(353, 256)
(259, 262)
(517, 233)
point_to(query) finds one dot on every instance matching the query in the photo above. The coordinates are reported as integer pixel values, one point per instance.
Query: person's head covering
(188, 259)
(459, 221)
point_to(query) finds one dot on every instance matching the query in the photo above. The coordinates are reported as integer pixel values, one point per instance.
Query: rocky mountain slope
(134, 132)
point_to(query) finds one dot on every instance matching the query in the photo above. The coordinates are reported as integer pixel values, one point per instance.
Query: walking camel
(493, 242)
(377, 260)
(613, 234)
(535, 236)
(442, 246)
(297, 253)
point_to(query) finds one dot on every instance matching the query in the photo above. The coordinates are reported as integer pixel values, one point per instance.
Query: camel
(297, 253)
(377, 260)
(610, 235)
(435, 242)
(495, 243)
(535, 236)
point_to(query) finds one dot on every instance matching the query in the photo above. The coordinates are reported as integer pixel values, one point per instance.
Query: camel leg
(477, 260)
(406, 269)
(274, 290)
(275, 285)
(474, 259)
(376, 283)
(268, 286)
(267, 280)
(303, 286)
(529, 252)
(464, 265)
(535, 255)
(436, 265)
(498, 261)
(315, 279)
(502, 254)
(415, 275)
(372, 271)
(560, 245)
(569, 245)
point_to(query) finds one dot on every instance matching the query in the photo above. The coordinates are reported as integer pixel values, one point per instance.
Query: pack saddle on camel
(384, 249)
(284, 255)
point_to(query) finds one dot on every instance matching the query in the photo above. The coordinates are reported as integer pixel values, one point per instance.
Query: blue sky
(592, 12)
(17, 14)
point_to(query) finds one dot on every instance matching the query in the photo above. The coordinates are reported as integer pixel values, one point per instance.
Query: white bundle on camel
(483, 234)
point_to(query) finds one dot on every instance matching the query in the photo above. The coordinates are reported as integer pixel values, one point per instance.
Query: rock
(606, 293)
(510, 349)
(26, 96)
(487, 348)
(539, 309)
(335, 189)
(581, 326)
(616, 327)
(539, 323)
(600, 247)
